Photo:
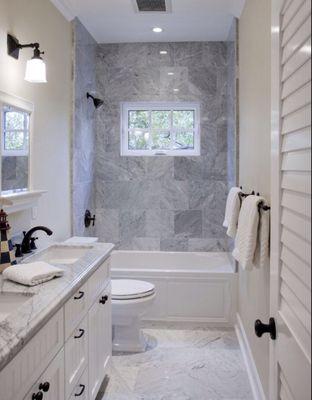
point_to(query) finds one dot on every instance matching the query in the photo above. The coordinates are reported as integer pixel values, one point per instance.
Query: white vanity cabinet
(68, 358)
(50, 386)
(99, 341)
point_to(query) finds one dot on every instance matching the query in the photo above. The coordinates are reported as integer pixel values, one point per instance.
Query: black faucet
(26, 243)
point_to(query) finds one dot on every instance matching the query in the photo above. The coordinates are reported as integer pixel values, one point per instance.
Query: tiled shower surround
(83, 141)
(162, 203)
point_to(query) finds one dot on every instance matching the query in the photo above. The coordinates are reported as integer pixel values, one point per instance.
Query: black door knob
(44, 386)
(103, 299)
(37, 396)
(270, 328)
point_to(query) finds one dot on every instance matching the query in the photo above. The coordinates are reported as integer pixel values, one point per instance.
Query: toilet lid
(125, 289)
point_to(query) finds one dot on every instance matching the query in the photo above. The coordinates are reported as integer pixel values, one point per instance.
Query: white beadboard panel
(297, 160)
(295, 305)
(300, 37)
(297, 21)
(295, 243)
(297, 140)
(299, 58)
(297, 223)
(297, 100)
(299, 78)
(290, 12)
(297, 181)
(297, 202)
(297, 120)
(297, 286)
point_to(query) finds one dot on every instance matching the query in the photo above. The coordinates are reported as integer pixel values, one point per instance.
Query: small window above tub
(151, 129)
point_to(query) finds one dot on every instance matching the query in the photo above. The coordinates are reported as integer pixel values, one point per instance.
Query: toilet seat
(129, 289)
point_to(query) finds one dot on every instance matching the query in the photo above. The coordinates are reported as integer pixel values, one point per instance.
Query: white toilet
(130, 301)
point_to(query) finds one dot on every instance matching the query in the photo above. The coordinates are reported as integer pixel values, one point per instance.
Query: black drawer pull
(82, 390)
(37, 396)
(103, 299)
(82, 331)
(44, 386)
(81, 294)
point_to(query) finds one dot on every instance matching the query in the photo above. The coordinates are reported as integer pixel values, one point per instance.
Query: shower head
(97, 102)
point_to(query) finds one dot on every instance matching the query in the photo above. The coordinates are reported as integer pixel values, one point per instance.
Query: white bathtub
(191, 287)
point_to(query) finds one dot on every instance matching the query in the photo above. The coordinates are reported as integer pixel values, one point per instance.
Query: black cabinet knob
(103, 299)
(37, 396)
(81, 333)
(44, 386)
(80, 295)
(81, 391)
(261, 328)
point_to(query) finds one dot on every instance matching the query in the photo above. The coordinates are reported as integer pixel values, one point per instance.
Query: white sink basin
(10, 302)
(59, 254)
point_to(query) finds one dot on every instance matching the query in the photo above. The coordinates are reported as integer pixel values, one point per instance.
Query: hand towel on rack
(263, 244)
(233, 204)
(247, 233)
(32, 274)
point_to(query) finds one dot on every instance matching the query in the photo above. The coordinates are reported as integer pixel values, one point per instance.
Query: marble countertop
(44, 300)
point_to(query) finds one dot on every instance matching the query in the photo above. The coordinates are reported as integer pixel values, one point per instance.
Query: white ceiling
(114, 21)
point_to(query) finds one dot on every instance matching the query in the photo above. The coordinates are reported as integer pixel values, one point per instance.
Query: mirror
(15, 138)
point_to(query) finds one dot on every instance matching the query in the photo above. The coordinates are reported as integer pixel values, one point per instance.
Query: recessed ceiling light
(163, 52)
(157, 29)
(170, 73)
(176, 90)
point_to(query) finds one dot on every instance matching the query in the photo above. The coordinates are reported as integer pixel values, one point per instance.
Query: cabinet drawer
(80, 391)
(98, 280)
(51, 382)
(75, 309)
(76, 355)
(18, 376)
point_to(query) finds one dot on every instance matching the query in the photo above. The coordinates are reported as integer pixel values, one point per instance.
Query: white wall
(39, 20)
(254, 168)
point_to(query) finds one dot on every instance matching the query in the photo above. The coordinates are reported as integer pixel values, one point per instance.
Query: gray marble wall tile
(188, 223)
(174, 244)
(132, 224)
(166, 203)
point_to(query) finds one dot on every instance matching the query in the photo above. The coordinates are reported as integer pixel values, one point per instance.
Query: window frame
(26, 144)
(8, 100)
(126, 107)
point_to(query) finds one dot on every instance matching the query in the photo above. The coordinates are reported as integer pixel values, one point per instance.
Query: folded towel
(33, 273)
(248, 233)
(233, 204)
(263, 245)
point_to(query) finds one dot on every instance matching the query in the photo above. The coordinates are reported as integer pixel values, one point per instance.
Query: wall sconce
(35, 67)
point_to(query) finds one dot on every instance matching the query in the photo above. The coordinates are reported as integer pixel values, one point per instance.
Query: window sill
(19, 201)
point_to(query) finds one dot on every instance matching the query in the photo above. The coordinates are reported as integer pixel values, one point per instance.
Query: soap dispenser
(7, 257)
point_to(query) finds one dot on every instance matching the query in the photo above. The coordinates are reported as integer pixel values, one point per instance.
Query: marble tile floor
(180, 364)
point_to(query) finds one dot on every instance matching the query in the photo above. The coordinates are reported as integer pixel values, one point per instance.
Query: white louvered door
(290, 353)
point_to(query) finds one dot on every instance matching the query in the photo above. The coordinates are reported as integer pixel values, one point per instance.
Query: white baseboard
(254, 379)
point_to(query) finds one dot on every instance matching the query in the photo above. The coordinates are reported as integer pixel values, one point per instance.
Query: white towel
(33, 273)
(263, 245)
(249, 235)
(233, 204)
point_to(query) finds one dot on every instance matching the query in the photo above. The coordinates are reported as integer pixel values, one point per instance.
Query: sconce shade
(36, 71)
